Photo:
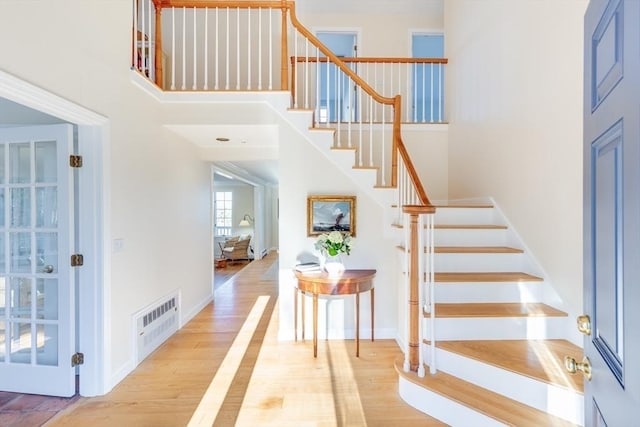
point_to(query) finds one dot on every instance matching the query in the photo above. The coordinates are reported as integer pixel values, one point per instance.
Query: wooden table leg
(315, 325)
(304, 301)
(295, 313)
(358, 325)
(372, 311)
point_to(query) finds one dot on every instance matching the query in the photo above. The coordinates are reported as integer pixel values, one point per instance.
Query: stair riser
(461, 263)
(489, 292)
(471, 237)
(466, 216)
(497, 328)
(441, 408)
(558, 401)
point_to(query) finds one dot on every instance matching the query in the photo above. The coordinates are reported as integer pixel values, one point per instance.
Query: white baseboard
(187, 316)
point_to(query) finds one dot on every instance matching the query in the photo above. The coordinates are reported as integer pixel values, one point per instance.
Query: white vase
(333, 265)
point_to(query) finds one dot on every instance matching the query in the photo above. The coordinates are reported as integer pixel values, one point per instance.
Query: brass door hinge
(77, 260)
(75, 161)
(77, 359)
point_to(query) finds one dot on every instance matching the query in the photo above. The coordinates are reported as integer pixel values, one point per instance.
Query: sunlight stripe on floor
(213, 398)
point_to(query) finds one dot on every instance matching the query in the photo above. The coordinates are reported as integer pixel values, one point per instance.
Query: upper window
(223, 208)
(428, 79)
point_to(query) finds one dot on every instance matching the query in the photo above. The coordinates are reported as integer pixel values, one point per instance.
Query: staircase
(499, 348)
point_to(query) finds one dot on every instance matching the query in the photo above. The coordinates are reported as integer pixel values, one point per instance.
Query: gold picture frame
(331, 213)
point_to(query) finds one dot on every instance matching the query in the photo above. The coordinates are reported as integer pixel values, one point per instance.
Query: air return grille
(154, 324)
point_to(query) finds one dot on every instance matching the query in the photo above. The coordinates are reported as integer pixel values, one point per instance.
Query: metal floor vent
(154, 324)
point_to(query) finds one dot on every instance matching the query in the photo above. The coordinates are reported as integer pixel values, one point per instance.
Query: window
(223, 208)
(428, 79)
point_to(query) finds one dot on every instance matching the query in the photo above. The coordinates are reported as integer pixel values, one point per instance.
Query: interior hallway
(255, 380)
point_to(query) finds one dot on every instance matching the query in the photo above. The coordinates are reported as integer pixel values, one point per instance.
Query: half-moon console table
(350, 282)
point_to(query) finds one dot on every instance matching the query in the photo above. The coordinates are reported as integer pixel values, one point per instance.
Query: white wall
(305, 171)
(514, 88)
(428, 146)
(396, 18)
(160, 190)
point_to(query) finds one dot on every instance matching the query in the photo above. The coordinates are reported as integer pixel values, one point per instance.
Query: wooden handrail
(338, 61)
(213, 3)
(422, 195)
(375, 60)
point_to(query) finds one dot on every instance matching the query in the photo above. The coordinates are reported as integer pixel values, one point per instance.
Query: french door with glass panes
(37, 320)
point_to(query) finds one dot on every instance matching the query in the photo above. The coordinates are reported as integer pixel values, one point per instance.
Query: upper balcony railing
(207, 45)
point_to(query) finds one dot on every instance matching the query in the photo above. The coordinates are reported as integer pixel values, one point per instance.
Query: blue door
(337, 100)
(612, 213)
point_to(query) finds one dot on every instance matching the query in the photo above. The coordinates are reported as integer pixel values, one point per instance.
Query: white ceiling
(251, 148)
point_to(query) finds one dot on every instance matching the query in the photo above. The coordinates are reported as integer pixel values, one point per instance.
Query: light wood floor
(275, 383)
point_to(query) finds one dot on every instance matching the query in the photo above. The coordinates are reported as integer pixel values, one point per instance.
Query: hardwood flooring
(229, 366)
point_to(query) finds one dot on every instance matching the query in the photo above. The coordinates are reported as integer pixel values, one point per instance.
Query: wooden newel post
(158, 54)
(284, 74)
(414, 305)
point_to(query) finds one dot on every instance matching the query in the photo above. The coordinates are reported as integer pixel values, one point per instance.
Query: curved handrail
(376, 60)
(338, 61)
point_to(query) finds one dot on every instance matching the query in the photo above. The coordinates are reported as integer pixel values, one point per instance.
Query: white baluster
(206, 48)
(134, 51)
(306, 74)
(248, 49)
(424, 92)
(421, 269)
(317, 115)
(270, 50)
(375, 87)
(338, 103)
(360, 141)
(143, 65)
(295, 66)
(415, 92)
(440, 100)
(238, 53)
(173, 48)
(432, 285)
(328, 85)
(350, 110)
(184, 49)
(370, 131)
(226, 86)
(215, 86)
(382, 162)
(152, 51)
(260, 48)
(194, 86)
(431, 68)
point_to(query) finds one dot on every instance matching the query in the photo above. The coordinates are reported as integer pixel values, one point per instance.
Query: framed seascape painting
(331, 213)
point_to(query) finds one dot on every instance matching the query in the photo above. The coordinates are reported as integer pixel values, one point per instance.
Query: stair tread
(491, 404)
(464, 205)
(471, 226)
(477, 250)
(495, 276)
(533, 309)
(461, 226)
(542, 360)
(473, 250)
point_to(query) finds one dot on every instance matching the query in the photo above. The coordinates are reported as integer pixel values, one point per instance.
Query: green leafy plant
(334, 243)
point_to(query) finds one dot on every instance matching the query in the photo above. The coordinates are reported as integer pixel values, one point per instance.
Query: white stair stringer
(445, 410)
(344, 159)
(562, 402)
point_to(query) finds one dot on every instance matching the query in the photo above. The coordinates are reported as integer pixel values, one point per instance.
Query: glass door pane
(36, 285)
